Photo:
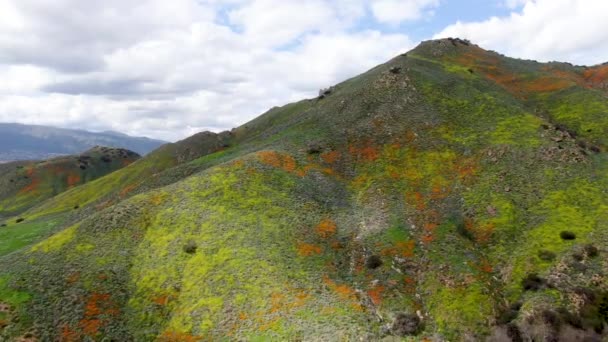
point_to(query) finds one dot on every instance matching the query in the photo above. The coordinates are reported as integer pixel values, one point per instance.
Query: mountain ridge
(32, 142)
(448, 194)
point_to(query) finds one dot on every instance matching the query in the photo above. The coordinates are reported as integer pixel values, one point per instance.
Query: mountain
(450, 194)
(28, 142)
(26, 183)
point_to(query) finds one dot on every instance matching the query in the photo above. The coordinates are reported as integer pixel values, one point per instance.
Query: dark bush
(373, 262)
(3, 225)
(395, 70)
(514, 333)
(588, 293)
(567, 235)
(76, 207)
(190, 247)
(570, 318)
(314, 148)
(406, 324)
(471, 71)
(602, 307)
(516, 306)
(578, 256)
(462, 230)
(106, 159)
(551, 319)
(591, 251)
(595, 149)
(546, 255)
(533, 282)
(507, 316)
(19, 220)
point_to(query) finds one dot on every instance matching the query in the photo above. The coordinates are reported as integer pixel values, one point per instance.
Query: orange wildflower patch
(161, 300)
(427, 238)
(482, 232)
(98, 304)
(306, 249)
(367, 154)
(430, 227)
(326, 228)
(278, 160)
(73, 179)
(416, 199)
(68, 335)
(343, 291)
(90, 327)
(596, 75)
(32, 186)
(547, 84)
(439, 192)
(375, 294)
(124, 192)
(171, 336)
(485, 266)
(467, 169)
(330, 157)
(403, 249)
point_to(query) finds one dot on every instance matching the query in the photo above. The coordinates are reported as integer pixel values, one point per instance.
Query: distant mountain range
(29, 142)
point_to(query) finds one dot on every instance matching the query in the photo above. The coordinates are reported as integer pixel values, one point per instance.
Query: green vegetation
(462, 198)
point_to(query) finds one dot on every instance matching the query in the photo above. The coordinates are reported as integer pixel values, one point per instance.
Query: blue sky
(169, 69)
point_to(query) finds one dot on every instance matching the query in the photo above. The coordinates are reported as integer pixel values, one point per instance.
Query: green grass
(17, 236)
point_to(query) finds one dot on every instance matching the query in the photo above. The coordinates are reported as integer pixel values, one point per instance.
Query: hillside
(31, 142)
(449, 194)
(25, 184)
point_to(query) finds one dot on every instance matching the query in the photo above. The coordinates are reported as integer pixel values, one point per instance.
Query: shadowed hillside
(449, 194)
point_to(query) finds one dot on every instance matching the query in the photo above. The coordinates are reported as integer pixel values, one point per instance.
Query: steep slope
(29, 142)
(450, 194)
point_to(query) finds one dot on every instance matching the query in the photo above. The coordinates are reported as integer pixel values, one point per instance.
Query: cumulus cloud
(170, 69)
(397, 11)
(545, 30)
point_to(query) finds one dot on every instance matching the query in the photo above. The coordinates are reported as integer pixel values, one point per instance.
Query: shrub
(510, 313)
(3, 225)
(507, 316)
(19, 220)
(190, 247)
(76, 207)
(514, 333)
(462, 230)
(567, 235)
(533, 282)
(395, 70)
(406, 324)
(373, 262)
(551, 319)
(591, 251)
(546, 255)
(570, 318)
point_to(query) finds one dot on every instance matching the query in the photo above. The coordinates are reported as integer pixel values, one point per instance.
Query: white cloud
(515, 3)
(565, 30)
(171, 69)
(397, 11)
